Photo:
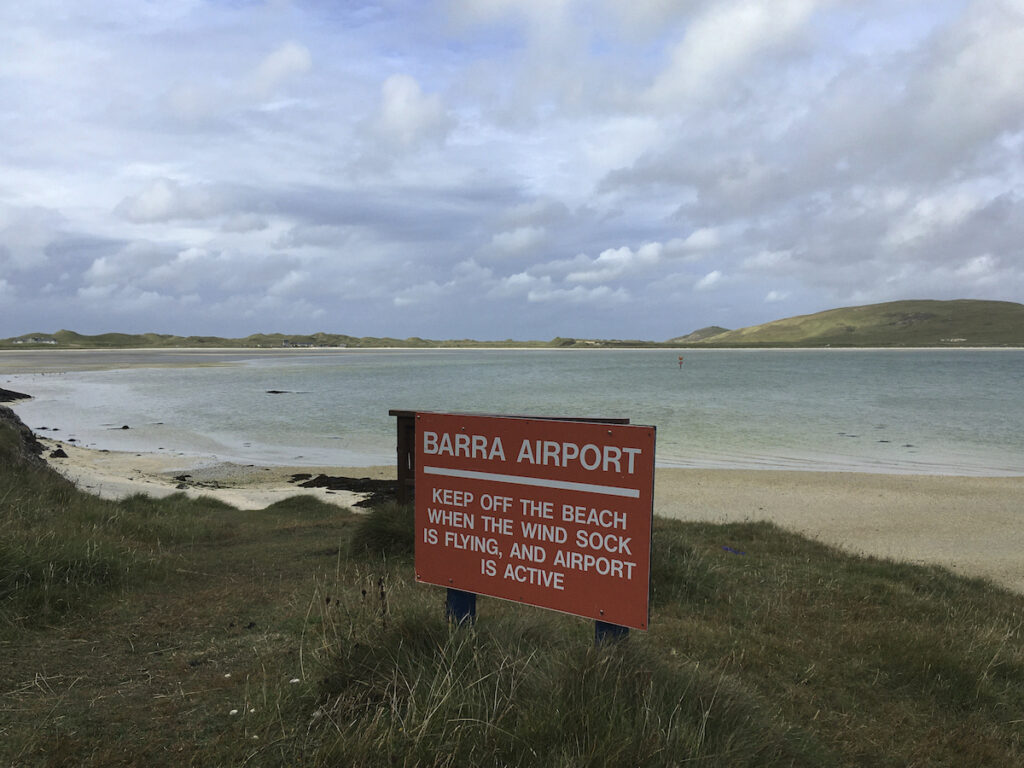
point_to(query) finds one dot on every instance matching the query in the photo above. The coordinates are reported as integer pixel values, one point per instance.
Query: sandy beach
(117, 475)
(971, 525)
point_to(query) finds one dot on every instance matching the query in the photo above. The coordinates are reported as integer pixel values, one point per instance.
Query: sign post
(550, 513)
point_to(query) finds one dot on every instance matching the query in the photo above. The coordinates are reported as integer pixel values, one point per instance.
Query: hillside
(701, 334)
(960, 323)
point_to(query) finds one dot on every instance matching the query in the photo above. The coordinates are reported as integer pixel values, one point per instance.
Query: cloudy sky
(503, 168)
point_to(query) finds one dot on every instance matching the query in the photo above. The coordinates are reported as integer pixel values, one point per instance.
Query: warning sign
(555, 514)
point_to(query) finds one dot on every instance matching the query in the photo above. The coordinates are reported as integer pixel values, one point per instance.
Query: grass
(189, 633)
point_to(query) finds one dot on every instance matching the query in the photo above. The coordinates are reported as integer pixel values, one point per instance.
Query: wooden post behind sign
(406, 454)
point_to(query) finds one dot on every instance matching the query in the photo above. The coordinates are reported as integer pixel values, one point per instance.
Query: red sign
(555, 514)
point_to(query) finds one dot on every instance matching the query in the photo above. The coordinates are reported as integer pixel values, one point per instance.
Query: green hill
(960, 323)
(702, 334)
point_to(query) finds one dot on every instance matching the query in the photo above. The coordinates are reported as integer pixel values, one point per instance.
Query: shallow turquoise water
(924, 411)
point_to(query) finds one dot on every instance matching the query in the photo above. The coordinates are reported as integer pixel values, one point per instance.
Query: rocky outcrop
(28, 448)
(380, 490)
(10, 396)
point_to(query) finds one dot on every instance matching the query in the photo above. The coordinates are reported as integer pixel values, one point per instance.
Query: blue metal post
(460, 606)
(609, 633)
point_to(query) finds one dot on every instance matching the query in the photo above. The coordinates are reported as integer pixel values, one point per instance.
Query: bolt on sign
(550, 513)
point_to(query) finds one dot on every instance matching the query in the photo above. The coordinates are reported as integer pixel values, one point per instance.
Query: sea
(920, 411)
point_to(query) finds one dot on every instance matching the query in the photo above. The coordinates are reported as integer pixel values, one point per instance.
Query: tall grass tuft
(388, 529)
(54, 550)
(60, 547)
(522, 687)
(680, 573)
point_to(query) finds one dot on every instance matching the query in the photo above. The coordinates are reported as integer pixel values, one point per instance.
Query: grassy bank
(188, 633)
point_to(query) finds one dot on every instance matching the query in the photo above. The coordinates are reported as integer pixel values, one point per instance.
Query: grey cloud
(25, 233)
(245, 222)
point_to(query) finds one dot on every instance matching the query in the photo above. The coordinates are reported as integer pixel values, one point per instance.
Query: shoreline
(120, 474)
(971, 525)
(19, 361)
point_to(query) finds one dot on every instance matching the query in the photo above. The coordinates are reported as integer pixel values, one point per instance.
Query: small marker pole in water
(680, 361)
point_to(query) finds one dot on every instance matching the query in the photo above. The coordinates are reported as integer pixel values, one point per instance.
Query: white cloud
(472, 272)
(721, 41)
(932, 215)
(980, 269)
(165, 200)
(282, 64)
(408, 116)
(601, 295)
(520, 284)
(616, 262)
(773, 297)
(518, 240)
(703, 239)
(290, 284)
(709, 281)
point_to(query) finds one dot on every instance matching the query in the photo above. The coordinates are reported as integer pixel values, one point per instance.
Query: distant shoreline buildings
(35, 340)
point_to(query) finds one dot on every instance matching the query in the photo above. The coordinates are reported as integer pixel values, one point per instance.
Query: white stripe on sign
(540, 482)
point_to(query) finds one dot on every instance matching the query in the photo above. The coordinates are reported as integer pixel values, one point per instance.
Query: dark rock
(380, 490)
(278, 392)
(30, 450)
(9, 396)
(58, 453)
(125, 427)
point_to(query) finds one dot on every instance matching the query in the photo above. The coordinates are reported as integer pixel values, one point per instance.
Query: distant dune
(919, 323)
